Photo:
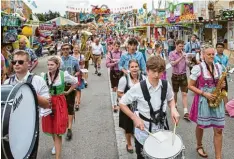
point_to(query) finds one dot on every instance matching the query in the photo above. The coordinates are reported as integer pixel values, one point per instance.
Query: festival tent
(60, 21)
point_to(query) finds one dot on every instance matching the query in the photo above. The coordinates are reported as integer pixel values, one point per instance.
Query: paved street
(96, 127)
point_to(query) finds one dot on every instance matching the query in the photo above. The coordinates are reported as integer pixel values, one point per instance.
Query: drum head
(23, 120)
(165, 149)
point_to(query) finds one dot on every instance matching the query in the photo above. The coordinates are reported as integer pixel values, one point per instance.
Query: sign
(102, 10)
(180, 12)
(160, 16)
(8, 20)
(49, 27)
(213, 26)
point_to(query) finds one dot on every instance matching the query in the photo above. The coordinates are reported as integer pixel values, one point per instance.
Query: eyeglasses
(21, 62)
(66, 49)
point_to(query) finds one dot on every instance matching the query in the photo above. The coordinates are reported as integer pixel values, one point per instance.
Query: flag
(34, 4)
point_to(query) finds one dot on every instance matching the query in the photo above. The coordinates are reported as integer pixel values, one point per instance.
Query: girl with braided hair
(55, 124)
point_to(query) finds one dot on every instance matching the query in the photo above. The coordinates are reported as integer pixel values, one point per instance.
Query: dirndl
(125, 122)
(115, 75)
(57, 123)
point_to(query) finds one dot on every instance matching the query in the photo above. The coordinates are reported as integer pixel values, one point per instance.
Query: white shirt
(123, 82)
(135, 94)
(97, 49)
(67, 79)
(38, 83)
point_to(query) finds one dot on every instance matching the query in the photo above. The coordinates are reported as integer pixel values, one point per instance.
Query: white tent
(62, 21)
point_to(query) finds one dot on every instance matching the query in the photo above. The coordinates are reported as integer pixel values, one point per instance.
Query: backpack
(157, 117)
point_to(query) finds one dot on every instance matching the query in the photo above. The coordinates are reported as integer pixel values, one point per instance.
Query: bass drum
(20, 121)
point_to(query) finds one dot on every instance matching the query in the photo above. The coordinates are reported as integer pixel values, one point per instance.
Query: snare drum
(153, 149)
(20, 121)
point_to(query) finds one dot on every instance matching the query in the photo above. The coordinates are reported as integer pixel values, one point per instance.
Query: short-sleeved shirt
(179, 68)
(126, 57)
(97, 49)
(70, 64)
(123, 83)
(38, 83)
(223, 59)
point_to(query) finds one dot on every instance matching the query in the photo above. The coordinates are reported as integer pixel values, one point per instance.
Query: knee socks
(114, 98)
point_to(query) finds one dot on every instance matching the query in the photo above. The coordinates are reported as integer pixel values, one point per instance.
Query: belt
(179, 75)
(96, 55)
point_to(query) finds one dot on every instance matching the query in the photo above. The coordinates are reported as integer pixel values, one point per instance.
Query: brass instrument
(218, 92)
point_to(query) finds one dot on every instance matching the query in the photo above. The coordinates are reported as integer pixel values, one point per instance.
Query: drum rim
(8, 153)
(170, 156)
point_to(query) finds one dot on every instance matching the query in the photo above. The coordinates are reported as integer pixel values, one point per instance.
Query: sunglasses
(65, 48)
(21, 62)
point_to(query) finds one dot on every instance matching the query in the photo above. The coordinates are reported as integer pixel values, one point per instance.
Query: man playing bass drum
(20, 65)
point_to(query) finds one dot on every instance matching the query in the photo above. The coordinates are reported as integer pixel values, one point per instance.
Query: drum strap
(158, 117)
(29, 79)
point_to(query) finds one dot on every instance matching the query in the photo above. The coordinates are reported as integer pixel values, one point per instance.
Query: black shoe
(77, 107)
(69, 134)
(96, 72)
(99, 74)
(86, 85)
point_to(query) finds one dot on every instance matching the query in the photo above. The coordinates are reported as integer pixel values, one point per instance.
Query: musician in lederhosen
(144, 118)
(20, 64)
(71, 65)
(112, 61)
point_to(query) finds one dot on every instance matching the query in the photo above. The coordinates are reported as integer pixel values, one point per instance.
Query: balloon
(27, 31)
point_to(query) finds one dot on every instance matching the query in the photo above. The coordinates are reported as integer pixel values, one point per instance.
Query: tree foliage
(47, 16)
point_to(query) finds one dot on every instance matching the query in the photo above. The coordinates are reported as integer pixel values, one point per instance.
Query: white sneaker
(53, 151)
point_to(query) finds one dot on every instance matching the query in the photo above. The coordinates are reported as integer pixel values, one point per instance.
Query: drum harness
(29, 79)
(157, 117)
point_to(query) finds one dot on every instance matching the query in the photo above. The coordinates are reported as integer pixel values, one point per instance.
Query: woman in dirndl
(55, 124)
(125, 83)
(81, 60)
(158, 52)
(203, 81)
(112, 61)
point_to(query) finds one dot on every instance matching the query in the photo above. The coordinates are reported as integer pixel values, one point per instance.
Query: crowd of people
(132, 74)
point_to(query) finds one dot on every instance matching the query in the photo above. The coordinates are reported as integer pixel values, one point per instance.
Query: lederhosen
(71, 96)
(115, 75)
(124, 121)
(35, 149)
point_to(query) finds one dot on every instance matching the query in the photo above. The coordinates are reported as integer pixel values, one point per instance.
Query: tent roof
(62, 21)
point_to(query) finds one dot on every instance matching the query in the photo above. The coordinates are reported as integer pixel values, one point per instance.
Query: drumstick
(151, 135)
(173, 135)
